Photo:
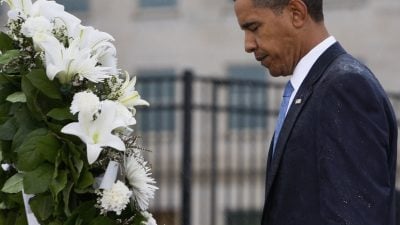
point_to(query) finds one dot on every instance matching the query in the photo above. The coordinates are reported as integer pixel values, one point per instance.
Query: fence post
(214, 155)
(187, 147)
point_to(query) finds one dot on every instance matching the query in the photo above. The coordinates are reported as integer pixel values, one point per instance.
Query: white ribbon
(110, 176)
(29, 214)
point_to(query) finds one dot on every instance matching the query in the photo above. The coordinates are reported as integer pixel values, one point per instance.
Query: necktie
(282, 111)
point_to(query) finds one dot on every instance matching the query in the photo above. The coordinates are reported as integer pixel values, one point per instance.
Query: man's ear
(299, 12)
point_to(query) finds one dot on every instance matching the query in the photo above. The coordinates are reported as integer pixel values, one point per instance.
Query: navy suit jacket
(335, 158)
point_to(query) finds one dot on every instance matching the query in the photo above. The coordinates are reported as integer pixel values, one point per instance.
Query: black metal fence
(208, 138)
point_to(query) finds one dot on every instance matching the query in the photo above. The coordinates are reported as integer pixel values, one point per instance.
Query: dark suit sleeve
(353, 142)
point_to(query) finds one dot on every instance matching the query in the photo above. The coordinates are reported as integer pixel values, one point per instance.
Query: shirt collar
(305, 64)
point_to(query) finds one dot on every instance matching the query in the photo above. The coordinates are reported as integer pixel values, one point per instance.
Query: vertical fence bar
(214, 155)
(187, 147)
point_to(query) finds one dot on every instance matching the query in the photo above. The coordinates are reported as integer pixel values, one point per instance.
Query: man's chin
(278, 73)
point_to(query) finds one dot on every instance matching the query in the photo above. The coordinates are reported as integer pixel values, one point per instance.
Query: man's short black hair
(314, 7)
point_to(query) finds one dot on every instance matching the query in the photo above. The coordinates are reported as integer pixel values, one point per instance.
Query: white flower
(128, 95)
(85, 102)
(149, 218)
(115, 199)
(18, 7)
(100, 44)
(50, 10)
(55, 13)
(14, 14)
(97, 133)
(34, 25)
(139, 178)
(123, 117)
(65, 63)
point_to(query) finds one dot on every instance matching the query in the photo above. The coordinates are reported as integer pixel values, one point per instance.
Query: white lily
(100, 43)
(92, 38)
(18, 7)
(65, 63)
(123, 117)
(51, 10)
(128, 95)
(55, 12)
(97, 133)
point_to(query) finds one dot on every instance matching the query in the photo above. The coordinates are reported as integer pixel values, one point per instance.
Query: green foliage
(52, 165)
(6, 43)
(38, 180)
(16, 97)
(40, 81)
(14, 184)
(42, 206)
(60, 114)
(8, 56)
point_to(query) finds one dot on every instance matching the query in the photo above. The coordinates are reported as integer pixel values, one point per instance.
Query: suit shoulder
(347, 69)
(346, 65)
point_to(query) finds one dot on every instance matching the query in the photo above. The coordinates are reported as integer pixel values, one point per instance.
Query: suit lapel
(304, 94)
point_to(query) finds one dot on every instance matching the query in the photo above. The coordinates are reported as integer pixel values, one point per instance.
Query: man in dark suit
(332, 160)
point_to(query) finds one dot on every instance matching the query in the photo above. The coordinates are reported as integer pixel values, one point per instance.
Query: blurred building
(163, 38)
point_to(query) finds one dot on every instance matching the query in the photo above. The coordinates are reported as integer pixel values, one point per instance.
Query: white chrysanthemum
(35, 25)
(149, 219)
(85, 102)
(139, 178)
(116, 198)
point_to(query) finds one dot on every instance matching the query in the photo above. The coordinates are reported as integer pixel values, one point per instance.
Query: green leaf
(7, 87)
(103, 221)
(40, 80)
(16, 97)
(73, 160)
(59, 183)
(26, 125)
(38, 181)
(85, 180)
(86, 211)
(6, 43)
(13, 184)
(66, 198)
(48, 146)
(28, 156)
(8, 130)
(60, 114)
(31, 94)
(8, 56)
(55, 223)
(42, 206)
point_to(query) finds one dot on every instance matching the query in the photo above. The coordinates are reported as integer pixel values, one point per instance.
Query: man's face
(270, 36)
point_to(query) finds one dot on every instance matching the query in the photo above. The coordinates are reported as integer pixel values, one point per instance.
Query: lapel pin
(298, 101)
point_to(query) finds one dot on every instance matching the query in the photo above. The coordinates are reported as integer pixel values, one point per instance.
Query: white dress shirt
(305, 64)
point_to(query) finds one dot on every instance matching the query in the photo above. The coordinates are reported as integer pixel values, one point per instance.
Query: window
(243, 217)
(74, 5)
(247, 101)
(157, 3)
(157, 92)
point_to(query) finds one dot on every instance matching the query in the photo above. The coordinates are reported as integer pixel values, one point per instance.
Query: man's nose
(250, 43)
